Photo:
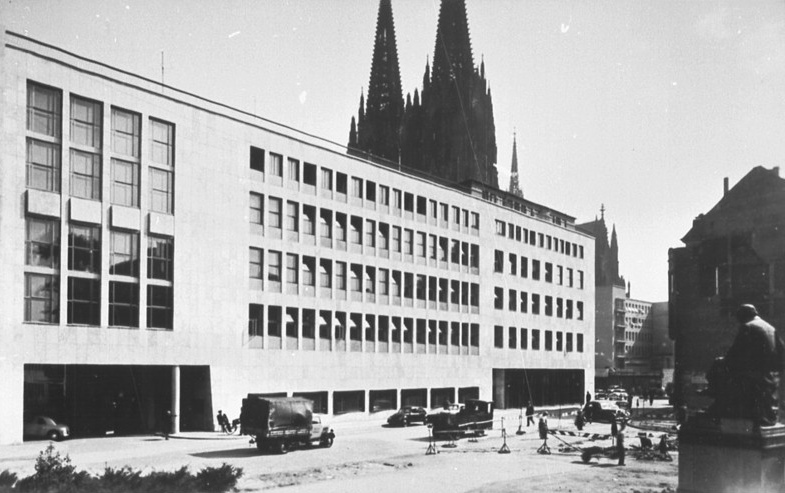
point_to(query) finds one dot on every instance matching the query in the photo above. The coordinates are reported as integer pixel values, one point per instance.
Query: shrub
(119, 480)
(218, 479)
(53, 474)
(179, 481)
(7, 480)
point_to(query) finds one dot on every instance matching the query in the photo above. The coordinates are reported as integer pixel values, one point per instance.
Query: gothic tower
(515, 187)
(447, 128)
(377, 130)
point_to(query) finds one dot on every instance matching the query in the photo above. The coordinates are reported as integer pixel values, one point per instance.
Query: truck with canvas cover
(280, 423)
(473, 418)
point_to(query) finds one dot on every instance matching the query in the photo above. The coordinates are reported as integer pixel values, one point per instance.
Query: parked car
(46, 427)
(407, 415)
(603, 412)
(601, 394)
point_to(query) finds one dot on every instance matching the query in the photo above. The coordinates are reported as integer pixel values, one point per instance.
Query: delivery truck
(278, 424)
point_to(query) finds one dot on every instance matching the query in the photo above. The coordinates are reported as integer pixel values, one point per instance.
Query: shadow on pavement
(228, 454)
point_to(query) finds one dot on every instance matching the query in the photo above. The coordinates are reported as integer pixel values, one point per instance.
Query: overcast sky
(644, 106)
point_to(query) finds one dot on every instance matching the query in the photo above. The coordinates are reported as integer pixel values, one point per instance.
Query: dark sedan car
(603, 412)
(407, 415)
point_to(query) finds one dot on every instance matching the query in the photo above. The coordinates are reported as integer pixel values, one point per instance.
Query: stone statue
(744, 383)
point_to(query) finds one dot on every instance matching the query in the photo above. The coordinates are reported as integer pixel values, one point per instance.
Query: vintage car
(45, 427)
(407, 415)
(603, 412)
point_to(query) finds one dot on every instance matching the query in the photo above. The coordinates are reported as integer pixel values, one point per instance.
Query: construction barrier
(591, 436)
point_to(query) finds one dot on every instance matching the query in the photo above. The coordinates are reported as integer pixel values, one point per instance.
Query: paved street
(368, 456)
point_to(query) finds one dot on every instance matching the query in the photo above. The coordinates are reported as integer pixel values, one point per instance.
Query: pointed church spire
(378, 132)
(515, 187)
(452, 56)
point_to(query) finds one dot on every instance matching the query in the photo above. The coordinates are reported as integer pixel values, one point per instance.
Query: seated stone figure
(744, 382)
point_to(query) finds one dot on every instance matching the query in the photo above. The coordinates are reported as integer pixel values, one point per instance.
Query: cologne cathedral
(447, 129)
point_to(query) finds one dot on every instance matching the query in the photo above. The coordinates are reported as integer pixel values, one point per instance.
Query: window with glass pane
(309, 220)
(308, 268)
(125, 133)
(86, 118)
(256, 213)
(340, 275)
(291, 268)
(370, 233)
(255, 263)
(408, 237)
(84, 248)
(85, 175)
(161, 191)
(292, 215)
(255, 320)
(357, 187)
(327, 179)
(42, 243)
(123, 304)
(274, 266)
(84, 301)
(325, 273)
(384, 282)
(161, 142)
(275, 212)
(384, 195)
(293, 169)
(43, 165)
(160, 258)
(159, 307)
(43, 110)
(124, 256)
(125, 183)
(42, 297)
(276, 165)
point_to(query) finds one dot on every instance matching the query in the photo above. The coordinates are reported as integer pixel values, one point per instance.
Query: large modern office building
(161, 251)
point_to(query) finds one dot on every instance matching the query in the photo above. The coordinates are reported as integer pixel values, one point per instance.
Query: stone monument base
(730, 456)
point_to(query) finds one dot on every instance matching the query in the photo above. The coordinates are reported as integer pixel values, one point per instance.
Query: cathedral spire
(452, 56)
(515, 187)
(379, 135)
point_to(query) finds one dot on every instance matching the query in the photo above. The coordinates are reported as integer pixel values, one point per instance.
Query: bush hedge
(55, 474)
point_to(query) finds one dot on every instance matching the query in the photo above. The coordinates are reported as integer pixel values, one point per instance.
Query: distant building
(625, 328)
(447, 130)
(515, 185)
(734, 254)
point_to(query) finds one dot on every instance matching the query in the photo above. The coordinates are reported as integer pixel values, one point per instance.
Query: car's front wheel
(327, 442)
(54, 435)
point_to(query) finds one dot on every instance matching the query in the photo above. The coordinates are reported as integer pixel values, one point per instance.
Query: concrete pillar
(398, 402)
(366, 396)
(175, 399)
(330, 403)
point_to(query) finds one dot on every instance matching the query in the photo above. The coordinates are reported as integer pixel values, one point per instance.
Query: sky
(641, 106)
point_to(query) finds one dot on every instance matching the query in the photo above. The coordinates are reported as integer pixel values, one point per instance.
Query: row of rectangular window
(359, 231)
(86, 151)
(563, 307)
(295, 328)
(356, 279)
(42, 258)
(564, 340)
(531, 237)
(563, 276)
(42, 302)
(362, 190)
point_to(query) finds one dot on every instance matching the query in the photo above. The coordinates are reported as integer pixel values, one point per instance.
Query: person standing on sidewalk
(620, 440)
(529, 414)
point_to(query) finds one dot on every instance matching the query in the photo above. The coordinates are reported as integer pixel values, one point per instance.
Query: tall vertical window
(357, 187)
(275, 212)
(84, 301)
(159, 307)
(86, 118)
(43, 142)
(161, 167)
(124, 254)
(291, 269)
(256, 263)
(42, 243)
(327, 179)
(160, 258)
(125, 164)
(276, 165)
(161, 191)
(42, 297)
(384, 195)
(293, 170)
(292, 215)
(257, 163)
(84, 248)
(273, 266)
(256, 210)
(340, 275)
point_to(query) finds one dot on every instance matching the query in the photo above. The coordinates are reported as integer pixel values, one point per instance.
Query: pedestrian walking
(529, 414)
(588, 397)
(651, 398)
(167, 423)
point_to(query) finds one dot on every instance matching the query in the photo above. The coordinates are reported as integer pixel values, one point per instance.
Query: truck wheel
(327, 442)
(282, 447)
(261, 446)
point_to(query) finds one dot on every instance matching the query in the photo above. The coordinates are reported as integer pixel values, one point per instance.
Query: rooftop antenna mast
(162, 70)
